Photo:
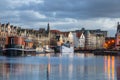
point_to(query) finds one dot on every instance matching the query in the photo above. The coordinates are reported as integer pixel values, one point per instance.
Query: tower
(48, 33)
(87, 39)
(48, 28)
(117, 37)
(118, 28)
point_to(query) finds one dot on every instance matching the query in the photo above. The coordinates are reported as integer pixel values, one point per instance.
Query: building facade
(94, 39)
(80, 40)
(117, 37)
(37, 36)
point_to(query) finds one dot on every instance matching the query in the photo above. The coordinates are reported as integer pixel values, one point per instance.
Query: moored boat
(40, 50)
(67, 49)
(47, 49)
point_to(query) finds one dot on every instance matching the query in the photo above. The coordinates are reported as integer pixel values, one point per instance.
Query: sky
(64, 15)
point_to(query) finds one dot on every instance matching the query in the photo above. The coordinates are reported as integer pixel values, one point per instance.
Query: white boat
(67, 50)
(40, 50)
(48, 50)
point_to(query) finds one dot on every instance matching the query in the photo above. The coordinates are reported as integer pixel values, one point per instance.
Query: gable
(70, 35)
(82, 36)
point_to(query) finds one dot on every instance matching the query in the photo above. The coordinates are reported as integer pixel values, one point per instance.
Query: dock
(101, 52)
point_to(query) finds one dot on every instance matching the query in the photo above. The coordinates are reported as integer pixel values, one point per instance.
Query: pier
(100, 52)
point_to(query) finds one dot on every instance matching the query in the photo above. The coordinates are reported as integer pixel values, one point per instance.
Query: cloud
(81, 8)
(62, 14)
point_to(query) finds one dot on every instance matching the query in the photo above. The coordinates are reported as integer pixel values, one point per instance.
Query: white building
(87, 40)
(80, 40)
(71, 37)
(94, 41)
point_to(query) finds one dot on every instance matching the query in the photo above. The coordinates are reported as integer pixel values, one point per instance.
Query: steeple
(118, 28)
(48, 28)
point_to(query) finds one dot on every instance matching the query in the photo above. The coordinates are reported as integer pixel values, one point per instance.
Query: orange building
(109, 43)
(18, 42)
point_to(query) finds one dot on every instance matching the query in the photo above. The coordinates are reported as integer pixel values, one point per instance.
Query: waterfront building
(87, 40)
(76, 41)
(117, 37)
(94, 39)
(36, 36)
(96, 31)
(58, 37)
(6, 30)
(54, 37)
(109, 43)
(80, 40)
(18, 42)
(71, 37)
(65, 36)
(100, 40)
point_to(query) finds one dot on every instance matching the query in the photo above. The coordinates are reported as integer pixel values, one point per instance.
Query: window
(2, 28)
(119, 42)
(12, 40)
(6, 29)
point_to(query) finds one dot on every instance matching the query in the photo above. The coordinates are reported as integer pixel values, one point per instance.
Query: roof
(78, 34)
(65, 34)
(55, 31)
(109, 38)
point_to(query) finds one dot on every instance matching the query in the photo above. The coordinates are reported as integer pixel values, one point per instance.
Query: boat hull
(17, 52)
(69, 51)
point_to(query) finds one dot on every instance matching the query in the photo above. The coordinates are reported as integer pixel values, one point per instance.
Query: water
(80, 67)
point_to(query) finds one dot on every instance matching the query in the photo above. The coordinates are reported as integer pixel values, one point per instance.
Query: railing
(19, 49)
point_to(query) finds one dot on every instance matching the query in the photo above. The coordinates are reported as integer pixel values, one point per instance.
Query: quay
(100, 52)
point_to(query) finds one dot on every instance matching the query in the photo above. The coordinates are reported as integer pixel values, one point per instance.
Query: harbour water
(79, 67)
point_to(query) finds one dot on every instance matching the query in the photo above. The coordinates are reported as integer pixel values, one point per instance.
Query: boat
(47, 49)
(40, 50)
(67, 49)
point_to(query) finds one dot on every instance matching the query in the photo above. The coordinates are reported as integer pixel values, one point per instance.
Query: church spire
(118, 27)
(48, 28)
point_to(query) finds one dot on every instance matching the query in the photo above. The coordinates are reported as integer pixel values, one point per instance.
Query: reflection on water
(109, 65)
(80, 67)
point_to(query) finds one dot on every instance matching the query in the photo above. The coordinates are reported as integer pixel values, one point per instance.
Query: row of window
(8, 30)
(2, 39)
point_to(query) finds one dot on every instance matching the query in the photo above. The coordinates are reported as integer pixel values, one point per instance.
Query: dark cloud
(76, 9)
(79, 9)
(84, 8)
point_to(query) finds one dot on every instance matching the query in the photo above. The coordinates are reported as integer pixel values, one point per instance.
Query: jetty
(99, 51)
